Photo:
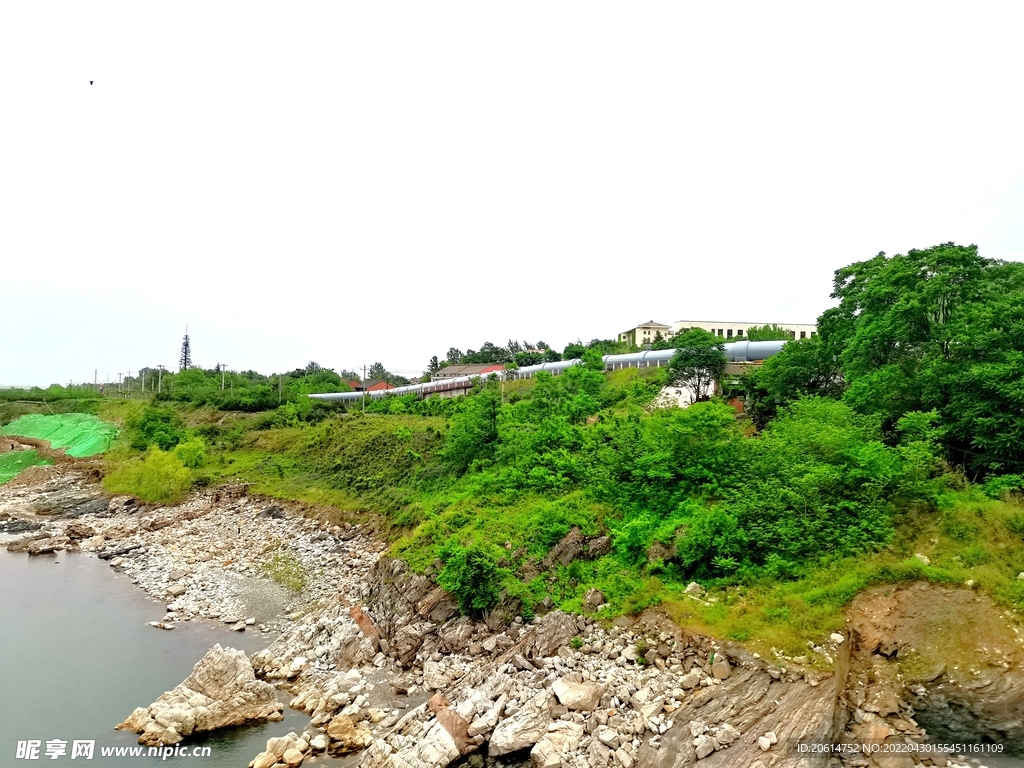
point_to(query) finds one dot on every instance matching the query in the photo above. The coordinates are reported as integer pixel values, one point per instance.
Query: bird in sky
(90, 82)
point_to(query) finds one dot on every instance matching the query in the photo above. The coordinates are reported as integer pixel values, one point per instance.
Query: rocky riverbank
(379, 659)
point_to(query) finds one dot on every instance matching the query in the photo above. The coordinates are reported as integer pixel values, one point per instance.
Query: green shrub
(1015, 522)
(472, 575)
(155, 426)
(158, 477)
(191, 453)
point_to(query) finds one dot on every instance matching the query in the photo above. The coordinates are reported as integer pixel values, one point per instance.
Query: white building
(736, 330)
(645, 333)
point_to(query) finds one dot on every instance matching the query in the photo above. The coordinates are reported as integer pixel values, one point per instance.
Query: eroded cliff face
(935, 662)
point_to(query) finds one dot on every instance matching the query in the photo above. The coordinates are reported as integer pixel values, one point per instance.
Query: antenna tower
(186, 353)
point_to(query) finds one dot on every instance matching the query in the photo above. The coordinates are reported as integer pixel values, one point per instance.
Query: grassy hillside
(783, 526)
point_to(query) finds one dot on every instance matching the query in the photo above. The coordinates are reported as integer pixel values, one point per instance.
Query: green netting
(82, 434)
(13, 462)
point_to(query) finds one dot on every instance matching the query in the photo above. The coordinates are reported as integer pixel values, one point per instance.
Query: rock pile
(210, 558)
(221, 691)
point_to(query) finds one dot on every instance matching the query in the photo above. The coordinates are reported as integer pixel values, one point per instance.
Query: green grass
(156, 477)
(286, 569)
(386, 468)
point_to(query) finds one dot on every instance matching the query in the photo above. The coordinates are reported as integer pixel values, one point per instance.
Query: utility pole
(95, 378)
(159, 378)
(280, 387)
(221, 376)
(364, 389)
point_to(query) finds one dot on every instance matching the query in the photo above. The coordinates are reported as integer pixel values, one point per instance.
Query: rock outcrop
(221, 691)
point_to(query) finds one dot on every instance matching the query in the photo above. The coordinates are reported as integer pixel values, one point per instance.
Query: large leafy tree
(939, 329)
(807, 367)
(698, 363)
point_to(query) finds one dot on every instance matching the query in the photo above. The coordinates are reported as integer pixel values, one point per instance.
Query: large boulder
(346, 735)
(427, 745)
(554, 630)
(222, 691)
(562, 737)
(583, 697)
(523, 729)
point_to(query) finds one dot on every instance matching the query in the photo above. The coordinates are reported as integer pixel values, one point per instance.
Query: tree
(942, 329)
(474, 430)
(573, 351)
(489, 354)
(698, 363)
(770, 332)
(806, 367)
(454, 356)
(434, 366)
(666, 342)
(523, 359)
(377, 372)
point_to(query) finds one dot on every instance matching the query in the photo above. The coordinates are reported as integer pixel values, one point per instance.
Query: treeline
(51, 394)
(523, 353)
(250, 391)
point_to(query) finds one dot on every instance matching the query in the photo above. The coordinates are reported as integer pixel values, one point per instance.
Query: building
(372, 385)
(455, 371)
(737, 330)
(645, 333)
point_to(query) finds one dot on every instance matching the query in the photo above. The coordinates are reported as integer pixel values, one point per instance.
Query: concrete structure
(373, 385)
(736, 330)
(645, 333)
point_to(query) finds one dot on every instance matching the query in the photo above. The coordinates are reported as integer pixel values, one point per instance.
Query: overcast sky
(352, 182)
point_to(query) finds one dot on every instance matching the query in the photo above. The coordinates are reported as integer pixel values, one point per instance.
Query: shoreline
(389, 675)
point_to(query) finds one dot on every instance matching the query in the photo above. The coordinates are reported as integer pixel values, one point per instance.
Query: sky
(357, 182)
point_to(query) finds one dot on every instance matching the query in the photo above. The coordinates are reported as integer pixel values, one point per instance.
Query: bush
(191, 453)
(155, 426)
(472, 575)
(158, 477)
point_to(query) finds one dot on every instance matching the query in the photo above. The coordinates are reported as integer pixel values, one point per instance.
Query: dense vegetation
(856, 465)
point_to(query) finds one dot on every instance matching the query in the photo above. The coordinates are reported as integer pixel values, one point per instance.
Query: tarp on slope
(12, 463)
(82, 434)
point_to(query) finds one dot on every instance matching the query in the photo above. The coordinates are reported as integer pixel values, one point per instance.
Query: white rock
(523, 729)
(704, 746)
(221, 691)
(583, 697)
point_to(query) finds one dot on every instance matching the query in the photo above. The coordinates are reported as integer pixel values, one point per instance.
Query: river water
(76, 657)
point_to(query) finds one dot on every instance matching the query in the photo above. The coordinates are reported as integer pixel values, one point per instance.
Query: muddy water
(76, 657)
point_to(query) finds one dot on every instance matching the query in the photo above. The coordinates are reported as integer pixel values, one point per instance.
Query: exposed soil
(943, 660)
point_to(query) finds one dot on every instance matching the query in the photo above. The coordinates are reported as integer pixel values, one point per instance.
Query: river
(76, 657)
